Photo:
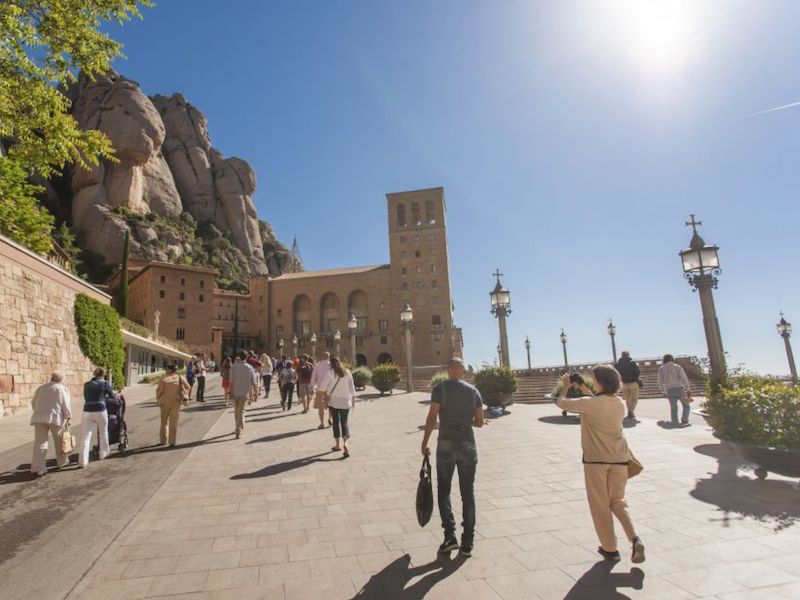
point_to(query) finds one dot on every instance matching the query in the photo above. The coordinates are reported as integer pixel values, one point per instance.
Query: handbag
(634, 466)
(67, 441)
(184, 393)
(425, 493)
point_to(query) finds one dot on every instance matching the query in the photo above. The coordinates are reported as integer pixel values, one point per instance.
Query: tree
(235, 326)
(21, 217)
(68, 241)
(44, 45)
(122, 294)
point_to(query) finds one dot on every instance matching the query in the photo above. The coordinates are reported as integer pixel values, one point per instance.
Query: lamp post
(407, 323)
(785, 330)
(314, 345)
(294, 345)
(612, 331)
(337, 337)
(501, 307)
(528, 350)
(499, 354)
(563, 338)
(352, 325)
(700, 268)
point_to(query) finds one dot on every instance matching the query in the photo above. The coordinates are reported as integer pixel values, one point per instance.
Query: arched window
(358, 304)
(416, 219)
(401, 215)
(302, 315)
(329, 313)
(430, 217)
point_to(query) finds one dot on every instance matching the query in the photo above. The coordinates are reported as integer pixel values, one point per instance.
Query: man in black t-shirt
(458, 407)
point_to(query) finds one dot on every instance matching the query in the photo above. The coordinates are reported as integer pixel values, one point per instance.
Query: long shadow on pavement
(279, 468)
(281, 436)
(599, 583)
(270, 418)
(391, 581)
(559, 420)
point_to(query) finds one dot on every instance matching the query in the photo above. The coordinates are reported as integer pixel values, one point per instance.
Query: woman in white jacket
(341, 393)
(51, 415)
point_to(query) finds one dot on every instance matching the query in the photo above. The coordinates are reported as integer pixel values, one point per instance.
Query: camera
(576, 378)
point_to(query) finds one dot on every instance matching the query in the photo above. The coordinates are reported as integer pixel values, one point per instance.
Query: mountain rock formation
(166, 167)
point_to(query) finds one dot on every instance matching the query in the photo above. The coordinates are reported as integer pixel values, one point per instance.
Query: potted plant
(385, 377)
(573, 392)
(361, 377)
(438, 378)
(496, 385)
(760, 417)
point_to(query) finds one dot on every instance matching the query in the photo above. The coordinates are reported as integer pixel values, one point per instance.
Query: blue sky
(573, 139)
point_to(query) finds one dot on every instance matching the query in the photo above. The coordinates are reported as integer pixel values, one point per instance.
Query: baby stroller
(117, 428)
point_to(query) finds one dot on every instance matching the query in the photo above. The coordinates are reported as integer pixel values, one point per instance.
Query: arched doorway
(361, 360)
(329, 313)
(384, 357)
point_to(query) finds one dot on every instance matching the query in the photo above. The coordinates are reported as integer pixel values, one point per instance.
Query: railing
(437, 328)
(143, 331)
(642, 362)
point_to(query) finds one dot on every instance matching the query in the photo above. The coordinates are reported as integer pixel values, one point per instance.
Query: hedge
(100, 336)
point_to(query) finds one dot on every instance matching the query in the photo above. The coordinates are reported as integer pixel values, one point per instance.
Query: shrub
(574, 391)
(756, 410)
(496, 380)
(386, 373)
(361, 376)
(438, 378)
(100, 336)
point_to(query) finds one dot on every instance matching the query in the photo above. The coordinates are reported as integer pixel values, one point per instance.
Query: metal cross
(693, 224)
(497, 274)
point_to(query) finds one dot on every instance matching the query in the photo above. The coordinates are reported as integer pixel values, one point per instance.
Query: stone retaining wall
(37, 329)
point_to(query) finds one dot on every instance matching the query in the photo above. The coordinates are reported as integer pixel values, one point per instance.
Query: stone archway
(361, 360)
(384, 357)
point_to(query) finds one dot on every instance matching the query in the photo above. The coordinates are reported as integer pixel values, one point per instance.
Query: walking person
(276, 372)
(225, 371)
(242, 376)
(673, 382)
(305, 371)
(190, 374)
(287, 377)
(266, 372)
(340, 391)
(605, 458)
(51, 414)
(321, 370)
(201, 367)
(629, 372)
(95, 414)
(253, 361)
(171, 392)
(459, 408)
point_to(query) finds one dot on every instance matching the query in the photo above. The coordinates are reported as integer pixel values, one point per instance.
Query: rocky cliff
(180, 198)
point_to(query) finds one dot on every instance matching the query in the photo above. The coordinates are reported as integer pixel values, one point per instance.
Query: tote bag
(67, 441)
(425, 493)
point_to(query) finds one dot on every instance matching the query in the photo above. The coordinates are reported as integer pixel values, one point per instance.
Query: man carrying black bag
(459, 408)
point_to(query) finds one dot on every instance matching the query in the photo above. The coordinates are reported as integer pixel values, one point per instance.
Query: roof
(166, 265)
(433, 189)
(330, 272)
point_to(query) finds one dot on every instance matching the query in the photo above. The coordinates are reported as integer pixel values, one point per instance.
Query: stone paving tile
(280, 516)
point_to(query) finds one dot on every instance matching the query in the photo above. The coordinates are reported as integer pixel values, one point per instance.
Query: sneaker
(637, 554)
(466, 549)
(449, 544)
(614, 556)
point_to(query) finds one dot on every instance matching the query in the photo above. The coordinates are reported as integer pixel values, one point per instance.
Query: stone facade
(37, 327)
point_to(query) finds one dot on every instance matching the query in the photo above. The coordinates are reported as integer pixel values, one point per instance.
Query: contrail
(761, 112)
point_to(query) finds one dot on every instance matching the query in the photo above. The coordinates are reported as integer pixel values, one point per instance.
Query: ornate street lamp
(563, 338)
(337, 337)
(785, 330)
(700, 268)
(528, 350)
(294, 345)
(407, 323)
(314, 345)
(612, 331)
(499, 354)
(352, 325)
(501, 307)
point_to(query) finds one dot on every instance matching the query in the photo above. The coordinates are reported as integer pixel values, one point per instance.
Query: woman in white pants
(95, 393)
(51, 415)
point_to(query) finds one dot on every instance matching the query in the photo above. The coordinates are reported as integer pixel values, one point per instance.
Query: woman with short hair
(340, 391)
(169, 395)
(51, 415)
(95, 414)
(605, 457)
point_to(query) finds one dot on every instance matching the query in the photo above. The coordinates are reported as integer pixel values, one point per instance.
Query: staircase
(537, 383)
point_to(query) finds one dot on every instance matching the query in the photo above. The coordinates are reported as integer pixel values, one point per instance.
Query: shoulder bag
(634, 466)
(425, 493)
(67, 441)
(183, 393)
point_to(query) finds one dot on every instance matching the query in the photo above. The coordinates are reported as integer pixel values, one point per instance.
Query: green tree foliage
(100, 336)
(439, 377)
(21, 217)
(68, 241)
(122, 294)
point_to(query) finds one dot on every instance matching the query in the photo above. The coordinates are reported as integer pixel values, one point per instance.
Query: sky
(573, 138)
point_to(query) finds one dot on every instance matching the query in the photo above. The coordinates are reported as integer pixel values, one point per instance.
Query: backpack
(305, 371)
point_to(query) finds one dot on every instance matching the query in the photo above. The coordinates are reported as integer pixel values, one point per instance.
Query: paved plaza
(278, 515)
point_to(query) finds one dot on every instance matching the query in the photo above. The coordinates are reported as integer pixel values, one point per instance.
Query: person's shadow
(599, 583)
(392, 579)
(279, 468)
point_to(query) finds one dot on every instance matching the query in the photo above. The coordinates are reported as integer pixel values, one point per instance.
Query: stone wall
(37, 329)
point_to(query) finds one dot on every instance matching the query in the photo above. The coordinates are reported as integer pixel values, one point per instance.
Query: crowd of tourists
(456, 406)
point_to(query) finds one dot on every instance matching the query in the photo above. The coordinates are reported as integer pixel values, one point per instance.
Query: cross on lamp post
(352, 326)
(785, 330)
(528, 350)
(314, 345)
(700, 268)
(612, 331)
(563, 338)
(337, 337)
(501, 307)
(407, 323)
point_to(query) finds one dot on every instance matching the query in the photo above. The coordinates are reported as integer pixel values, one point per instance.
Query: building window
(434, 284)
(416, 253)
(383, 305)
(416, 238)
(437, 337)
(403, 270)
(328, 343)
(436, 320)
(301, 343)
(429, 216)
(419, 269)
(162, 294)
(163, 279)
(202, 283)
(403, 254)
(359, 341)
(432, 252)
(180, 333)
(402, 239)
(280, 312)
(419, 285)
(183, 280)
(183, 296)
(430, 237)
(435, 299)
(383, 324)
(401, 215)
(201, 298)
(433, 268)
(384, 340)
(181, 313)
(279, 331)
(415, 218)
(405, 285)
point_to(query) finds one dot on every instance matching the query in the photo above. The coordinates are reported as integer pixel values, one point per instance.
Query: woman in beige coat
(605, 458)
(169, 397)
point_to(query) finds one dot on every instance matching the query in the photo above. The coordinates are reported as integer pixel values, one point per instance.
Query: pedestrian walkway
(278, 515)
